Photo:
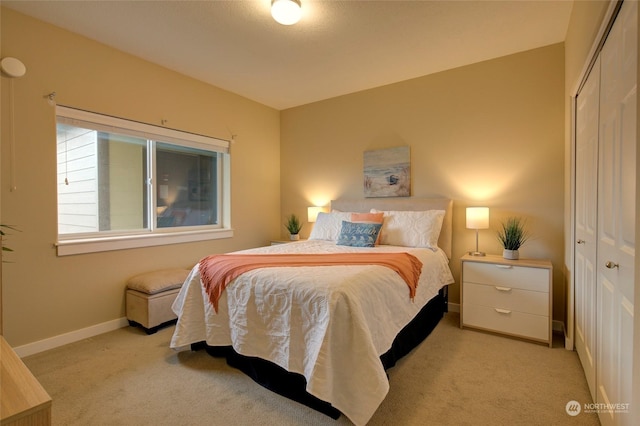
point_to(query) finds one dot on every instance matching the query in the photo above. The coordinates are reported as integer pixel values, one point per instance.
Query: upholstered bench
(149, 298)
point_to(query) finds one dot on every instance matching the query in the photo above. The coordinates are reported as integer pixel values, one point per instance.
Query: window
(123, 184)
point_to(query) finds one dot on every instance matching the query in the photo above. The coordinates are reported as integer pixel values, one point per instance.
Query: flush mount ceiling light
(286, 12)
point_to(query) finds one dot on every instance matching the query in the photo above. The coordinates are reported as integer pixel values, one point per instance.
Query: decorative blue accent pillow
(358, 234)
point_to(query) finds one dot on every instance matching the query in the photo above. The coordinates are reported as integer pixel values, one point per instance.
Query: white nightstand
(512, 297)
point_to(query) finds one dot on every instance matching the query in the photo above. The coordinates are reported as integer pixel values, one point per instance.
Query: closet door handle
(580, 241)
(611, 265)
(502, 311)
(502, 288)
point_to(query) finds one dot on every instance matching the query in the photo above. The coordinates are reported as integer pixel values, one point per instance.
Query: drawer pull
(503, 288)
(504, 266)
(502, 311)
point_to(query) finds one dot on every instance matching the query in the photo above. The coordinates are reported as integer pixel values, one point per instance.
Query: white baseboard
(557, 326)
(71, 337)
(105, 327)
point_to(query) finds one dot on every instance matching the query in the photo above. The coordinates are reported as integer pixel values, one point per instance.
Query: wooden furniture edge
(23, 400)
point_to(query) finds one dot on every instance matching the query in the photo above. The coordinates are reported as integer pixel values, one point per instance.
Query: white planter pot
(294, 237)
(511, 254)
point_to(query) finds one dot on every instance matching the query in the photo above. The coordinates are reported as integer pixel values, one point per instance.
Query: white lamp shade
(477, 217)
(286, 12)
(312, 213)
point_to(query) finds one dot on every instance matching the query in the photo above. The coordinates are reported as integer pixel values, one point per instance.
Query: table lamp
(477, 218)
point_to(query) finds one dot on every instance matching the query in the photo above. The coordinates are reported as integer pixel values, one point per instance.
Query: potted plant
(512, 235)
(294, 226)
(2, 234)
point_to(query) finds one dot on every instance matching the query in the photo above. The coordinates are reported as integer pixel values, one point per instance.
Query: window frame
(79, 243)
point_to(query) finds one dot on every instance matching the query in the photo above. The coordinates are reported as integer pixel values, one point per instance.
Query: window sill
(123, 242)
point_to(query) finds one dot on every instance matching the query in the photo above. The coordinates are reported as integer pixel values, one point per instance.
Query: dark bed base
(292, 385)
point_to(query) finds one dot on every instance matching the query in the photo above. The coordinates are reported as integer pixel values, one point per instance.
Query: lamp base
(477, 253)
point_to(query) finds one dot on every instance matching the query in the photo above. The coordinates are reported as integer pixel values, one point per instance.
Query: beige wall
(488, 134)
(45, 295)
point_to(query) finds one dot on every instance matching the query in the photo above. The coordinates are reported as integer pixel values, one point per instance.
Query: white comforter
(328, 323)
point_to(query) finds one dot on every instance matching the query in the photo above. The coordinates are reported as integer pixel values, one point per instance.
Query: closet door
(586, 222)
(616, 214)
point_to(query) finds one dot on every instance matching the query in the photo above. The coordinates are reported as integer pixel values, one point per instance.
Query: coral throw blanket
(218, 270)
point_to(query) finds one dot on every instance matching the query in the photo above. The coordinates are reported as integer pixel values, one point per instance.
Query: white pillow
(329, 225)
(411, 228)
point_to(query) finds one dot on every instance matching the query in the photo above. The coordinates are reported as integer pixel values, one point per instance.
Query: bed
(323, 334)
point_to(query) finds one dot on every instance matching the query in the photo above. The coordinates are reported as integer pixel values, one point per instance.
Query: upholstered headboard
(405, 204)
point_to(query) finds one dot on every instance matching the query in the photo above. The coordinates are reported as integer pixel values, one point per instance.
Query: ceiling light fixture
(286, 12)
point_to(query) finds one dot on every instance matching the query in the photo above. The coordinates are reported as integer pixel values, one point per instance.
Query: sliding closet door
(586, 222)
(616, 214)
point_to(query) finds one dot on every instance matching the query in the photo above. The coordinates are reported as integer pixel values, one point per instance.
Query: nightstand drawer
(507, 321)
(511, 276)
(532, 302)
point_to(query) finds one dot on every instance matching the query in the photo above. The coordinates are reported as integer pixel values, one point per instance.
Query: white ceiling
(338, 47)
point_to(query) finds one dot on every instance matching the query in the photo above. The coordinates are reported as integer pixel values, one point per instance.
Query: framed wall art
(387, 172)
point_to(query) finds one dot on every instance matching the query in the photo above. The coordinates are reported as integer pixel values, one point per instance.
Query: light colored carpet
(455, 377)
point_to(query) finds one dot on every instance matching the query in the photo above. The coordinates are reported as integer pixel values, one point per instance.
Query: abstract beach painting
(387, 172)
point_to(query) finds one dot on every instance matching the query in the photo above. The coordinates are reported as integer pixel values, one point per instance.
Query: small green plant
(293, 224)
(512, 234)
